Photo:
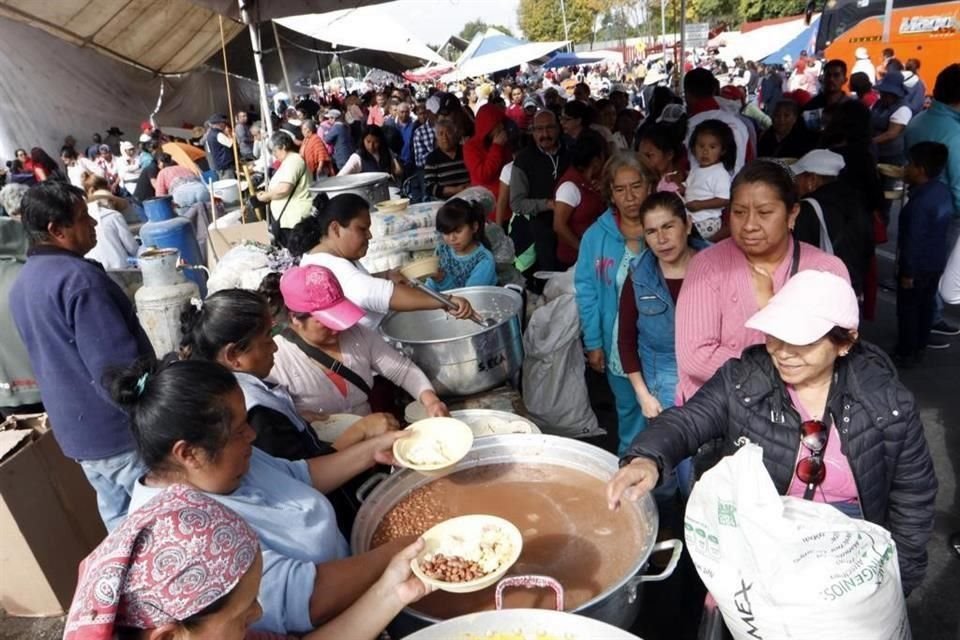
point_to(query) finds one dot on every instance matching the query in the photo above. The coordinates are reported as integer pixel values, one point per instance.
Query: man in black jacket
(532, 184)
(828, 203)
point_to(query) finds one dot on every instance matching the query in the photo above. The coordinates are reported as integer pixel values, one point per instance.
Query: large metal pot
(372, 187)
(461, 357)
(528, 621)
(618, 604)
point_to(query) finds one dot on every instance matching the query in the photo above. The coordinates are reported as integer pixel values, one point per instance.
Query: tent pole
(343, 75)
(283, 63)
(265, 120)
(233, 119)
(683, 44)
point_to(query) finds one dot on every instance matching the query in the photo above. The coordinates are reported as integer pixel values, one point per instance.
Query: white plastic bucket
(227, 190)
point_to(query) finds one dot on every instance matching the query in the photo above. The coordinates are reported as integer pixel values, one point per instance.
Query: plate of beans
(468, 553)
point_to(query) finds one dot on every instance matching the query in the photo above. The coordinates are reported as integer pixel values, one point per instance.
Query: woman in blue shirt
(602, 267)
(190, 425)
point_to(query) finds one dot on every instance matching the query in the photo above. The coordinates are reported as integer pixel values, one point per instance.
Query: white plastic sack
(782, 567)
(242, 267)
(554, 388)
(481, 195)
(561, 283)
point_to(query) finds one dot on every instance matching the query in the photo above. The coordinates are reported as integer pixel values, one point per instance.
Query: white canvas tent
(69, 67)
(366, 29)
(99, 64)
(494, 51)
(78, 91)
(758, 43)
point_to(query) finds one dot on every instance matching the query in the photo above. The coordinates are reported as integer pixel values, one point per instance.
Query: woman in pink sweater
(730, 281)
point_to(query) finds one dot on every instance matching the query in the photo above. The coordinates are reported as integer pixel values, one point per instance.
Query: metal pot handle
(369, 485)
(635, 582)
(528, 582)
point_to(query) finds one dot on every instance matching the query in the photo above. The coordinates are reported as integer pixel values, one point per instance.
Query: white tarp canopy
(365, 28)
(164, 36)
(71, 90)
(272, 9)
(495, 51)
(757, 44)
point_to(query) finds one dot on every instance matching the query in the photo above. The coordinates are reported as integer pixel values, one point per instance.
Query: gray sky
(433, 21)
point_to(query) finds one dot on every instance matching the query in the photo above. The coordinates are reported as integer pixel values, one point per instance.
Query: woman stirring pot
(336, 236)
(834, 422)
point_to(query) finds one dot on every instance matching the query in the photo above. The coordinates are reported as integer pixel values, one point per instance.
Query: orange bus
(929, 32)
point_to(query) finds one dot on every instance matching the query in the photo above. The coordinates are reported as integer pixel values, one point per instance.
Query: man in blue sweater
(922, 249)
(78, 325)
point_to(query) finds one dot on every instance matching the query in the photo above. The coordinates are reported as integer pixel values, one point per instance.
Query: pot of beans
(461, 357)
(553, 490)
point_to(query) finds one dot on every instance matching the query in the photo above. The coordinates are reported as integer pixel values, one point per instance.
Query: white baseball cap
(433, 104)
(807, 308)
(821, 162)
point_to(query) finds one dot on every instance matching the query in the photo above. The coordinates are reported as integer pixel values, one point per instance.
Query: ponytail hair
(174, 400)
(231, 316)
(341, 209)
(457, 212)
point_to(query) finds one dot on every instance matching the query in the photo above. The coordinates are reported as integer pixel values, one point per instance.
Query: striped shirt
(442, 171)
(715, 302)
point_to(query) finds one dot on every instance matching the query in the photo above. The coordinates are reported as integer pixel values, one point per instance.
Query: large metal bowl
(618, 604)
(372, 187)
(461, 357)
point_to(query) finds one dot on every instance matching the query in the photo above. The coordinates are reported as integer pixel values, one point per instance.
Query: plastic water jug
(162, 298)
(165, 230)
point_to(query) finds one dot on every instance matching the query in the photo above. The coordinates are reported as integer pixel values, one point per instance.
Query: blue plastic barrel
(165, 230)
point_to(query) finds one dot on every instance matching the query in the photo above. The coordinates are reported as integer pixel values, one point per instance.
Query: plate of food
(393, 206)
(468, 553)
(422, 268)
(332, 426)
(490, 422)
(434, 444)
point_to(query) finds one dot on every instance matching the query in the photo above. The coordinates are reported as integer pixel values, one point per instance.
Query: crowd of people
(722, 246)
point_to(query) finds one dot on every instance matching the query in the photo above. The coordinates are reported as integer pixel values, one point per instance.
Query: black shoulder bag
(328, 361)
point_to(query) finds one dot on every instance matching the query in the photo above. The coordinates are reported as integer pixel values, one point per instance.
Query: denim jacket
(656, 314)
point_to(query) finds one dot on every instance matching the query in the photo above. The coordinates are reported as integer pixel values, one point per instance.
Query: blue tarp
(805, 40)
(494, 43)
(565, 59)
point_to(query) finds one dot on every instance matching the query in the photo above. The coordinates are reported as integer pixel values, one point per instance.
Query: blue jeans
(662, 383)
(953, 232)
(113, 479)
(630, 420)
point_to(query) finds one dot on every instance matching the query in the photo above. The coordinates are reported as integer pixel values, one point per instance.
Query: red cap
(732, 92)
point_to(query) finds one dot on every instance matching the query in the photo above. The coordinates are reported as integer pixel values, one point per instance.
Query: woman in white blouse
(325, 359)
(335, 236)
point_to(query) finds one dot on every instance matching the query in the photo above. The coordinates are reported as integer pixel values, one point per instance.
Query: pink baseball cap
(807, 308)
(315, 290)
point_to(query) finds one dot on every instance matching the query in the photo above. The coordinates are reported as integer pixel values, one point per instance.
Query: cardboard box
(48, 519)
(222, 239)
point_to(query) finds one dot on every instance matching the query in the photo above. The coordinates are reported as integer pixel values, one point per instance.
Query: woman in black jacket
(834, 422)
